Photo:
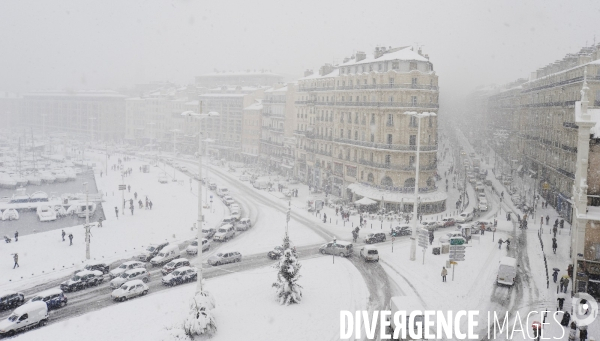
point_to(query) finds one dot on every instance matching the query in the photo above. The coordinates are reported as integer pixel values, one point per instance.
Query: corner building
(356, 137)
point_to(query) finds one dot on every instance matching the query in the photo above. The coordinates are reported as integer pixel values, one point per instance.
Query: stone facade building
(251, 132)
(241, 78)
(355, 132)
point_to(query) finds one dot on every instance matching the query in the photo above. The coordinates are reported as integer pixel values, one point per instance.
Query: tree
(200, 320)
(287, 289)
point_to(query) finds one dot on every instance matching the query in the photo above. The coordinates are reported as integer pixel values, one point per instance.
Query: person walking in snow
(131, 208)
(70, 239)
(63, 235)
(554, 230)
(150, 204)
(130, 202)
(324, 217)
(100, 222)
(566, 283)
(561, 301)
(117, 211)
(135, 195)
(129, 188)
(140, 204)
(444, 274)
(554, 245)
(555, 275)
(500, 241)
(16, 236)
(16, 259)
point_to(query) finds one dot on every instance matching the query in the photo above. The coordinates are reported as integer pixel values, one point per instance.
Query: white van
(166, 255)
(221, 191)
(27, 316)
(507, 271)
(261, 185)
(407, 304)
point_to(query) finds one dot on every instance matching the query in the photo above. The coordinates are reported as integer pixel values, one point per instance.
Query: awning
(365, 201)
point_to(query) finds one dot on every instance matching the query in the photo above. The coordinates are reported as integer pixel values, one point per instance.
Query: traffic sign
(122, 187)
(457, 257)
(452, 262)
(457, 247)
(456, 252)
(393, 238)
(423, 232)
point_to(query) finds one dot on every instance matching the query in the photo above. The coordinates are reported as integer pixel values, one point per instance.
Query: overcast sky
(78, 44)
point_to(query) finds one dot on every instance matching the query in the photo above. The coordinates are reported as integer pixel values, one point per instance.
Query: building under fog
(355, 133)
(241, 78)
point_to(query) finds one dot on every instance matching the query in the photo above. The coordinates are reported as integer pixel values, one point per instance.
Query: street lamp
(87, 223)
(175, 131)
(199, 115)
(413, 240)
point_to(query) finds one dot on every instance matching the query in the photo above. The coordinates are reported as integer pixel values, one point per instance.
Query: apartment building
(277, 129)
(542, 139)
(96, 115)
(356, 132)
(251, 132)
(241, 78)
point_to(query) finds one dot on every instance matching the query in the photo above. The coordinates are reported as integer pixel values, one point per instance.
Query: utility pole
(413, 237)
(87, 223)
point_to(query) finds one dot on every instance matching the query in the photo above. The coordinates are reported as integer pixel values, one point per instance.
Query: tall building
(251, 132)
(241, 78)
(356, 132)
(542, 134)
(226, 129)
(96, 115)
(277, 128)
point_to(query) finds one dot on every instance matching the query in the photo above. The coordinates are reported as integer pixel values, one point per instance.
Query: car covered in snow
(151, 251)
(375, 238)
(224, 233)
(208, 232)
(275, 253)
(447, 222)
(162, 178)
(225, 258)
(464, 217)
(401, 230)
(11, 299)
(483, 205)
(192, 249)
(130, 275)
(337, 247)
(369, 253)
(447, 236)
(46, 213)
(54, 298)
(180, 276)
(174, 264)
(243, 224)
(124, 267)
(82, 280)
(227, 200)
(129, 290)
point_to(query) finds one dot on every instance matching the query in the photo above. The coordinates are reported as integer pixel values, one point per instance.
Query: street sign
(457, 258)
(452, 262)
(457, 241)
(423, 232)
(393, 238)
(122, 187)
(457, 247)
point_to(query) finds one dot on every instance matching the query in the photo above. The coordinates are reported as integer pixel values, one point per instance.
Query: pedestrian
(582, 333)
(572, 331)
(566, 283)
(556, 222)
(555, 275)
(561, 301)
(150, 204)
(500, 241)
(140, 203)
(100, 222)
(131, 208)
(117, 212)
(431, 237)
(70, 239)
(570, 270)
(135, 195)
(444, 273)
(554, 245)
(63, 235)
(324, 217)
(541, 221)
(482, 228)
(129, 188)
(130, 202)
(16, 259)
(16, 236)
(562, 223)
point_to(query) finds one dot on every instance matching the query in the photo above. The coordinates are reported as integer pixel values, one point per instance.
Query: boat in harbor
(48, 177)
(70, 172)
(33, 179)
(80, 209)
(46, 213)
(60, 176)
(10, 214)
(38, 196)
(7, 182)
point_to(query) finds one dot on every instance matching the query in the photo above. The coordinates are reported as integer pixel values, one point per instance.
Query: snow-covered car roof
(134, 282)
(184, 268)
(8, 292)
(87, 272)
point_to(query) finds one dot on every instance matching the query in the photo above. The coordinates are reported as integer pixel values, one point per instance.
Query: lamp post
(199, 115)
(413, 240)
(175, 131)
(87, 223)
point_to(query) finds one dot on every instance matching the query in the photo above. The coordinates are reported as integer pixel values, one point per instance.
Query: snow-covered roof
(508, 261)
(222, 95)
(594, 117)
(282, 89)
(334, 73)
(405, 53)
(255, 106)
(83, 93)
(240, 73)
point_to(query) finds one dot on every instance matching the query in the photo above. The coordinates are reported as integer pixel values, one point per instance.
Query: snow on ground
(245, 308)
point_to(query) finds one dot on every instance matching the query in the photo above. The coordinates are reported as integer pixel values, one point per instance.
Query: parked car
(234, 207)
(446, 237)
(402, 230)
(225, 258)
(429, 225)
(243, 224)
(165, 255)
(129, 275)
(369, 253)
(208, 232)
(483, 206)
(11, 299)
(341, 248)
(129, 290)
(235, 214)
(487, 182)
(97, 265)
(183, 168)
(375, 238)
(181, 275)
(212, 186)
(30, 315)
(162, 179)
(174, 264)
(447, 222)
(227, 220)
(224, 233)
(228, 201)
(192, 249)
(222, 191)
(275, 253)
(151, 251)
(489, 225)
(82, 280)
(464, 218)
(124, 267)
(54, 298)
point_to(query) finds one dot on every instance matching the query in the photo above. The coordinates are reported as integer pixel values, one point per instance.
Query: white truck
(507, 271)
(34, 314)
(406, 304)
(222, 191)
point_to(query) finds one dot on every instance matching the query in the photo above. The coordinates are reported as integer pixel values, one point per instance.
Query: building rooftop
(83, 93)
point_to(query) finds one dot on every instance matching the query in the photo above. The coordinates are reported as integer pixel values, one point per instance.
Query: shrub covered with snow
(200, 320)
(287, 289)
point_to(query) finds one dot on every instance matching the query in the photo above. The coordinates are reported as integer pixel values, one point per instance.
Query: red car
(446, 222)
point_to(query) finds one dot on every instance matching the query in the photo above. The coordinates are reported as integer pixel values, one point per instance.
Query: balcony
(305, 89)
(300, 132)
(273, 143)
(568, 148)
(277, 130)
(386, 146)
(388, 104)
(401, 189)
(571, 125)
(388, 86)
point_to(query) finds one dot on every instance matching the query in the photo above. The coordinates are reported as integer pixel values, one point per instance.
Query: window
(342, 133)
(356, 134)
(365, 82)
(370, 177)
(355, 118)
(412, 140)
(375, 82)
(349, 117)
(414, 81)
(411, 162)
(371, 157)
(413, 101)
(372, 139)
(391, 81)
(390, 120)
(379, 66)
(413, 65)
(349, 134)
(395, 65)
(430, 122)
(389, 138)
(388, 161)
(372, 118)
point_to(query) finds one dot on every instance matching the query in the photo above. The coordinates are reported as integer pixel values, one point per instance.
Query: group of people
(500, 242)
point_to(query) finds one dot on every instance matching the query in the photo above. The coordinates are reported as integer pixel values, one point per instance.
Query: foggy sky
(62, 44)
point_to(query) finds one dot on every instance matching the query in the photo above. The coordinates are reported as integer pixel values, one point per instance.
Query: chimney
(378, 52)
(346, 59)
(325, 69)
(360, 55)
(308, 72)
(420, 51)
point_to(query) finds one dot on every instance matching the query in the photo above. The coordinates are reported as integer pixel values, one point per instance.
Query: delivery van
(167, 254)
(507, 271)
(27, 316)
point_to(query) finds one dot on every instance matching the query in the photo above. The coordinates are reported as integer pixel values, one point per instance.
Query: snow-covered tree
(287, 289)
(200, 320)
